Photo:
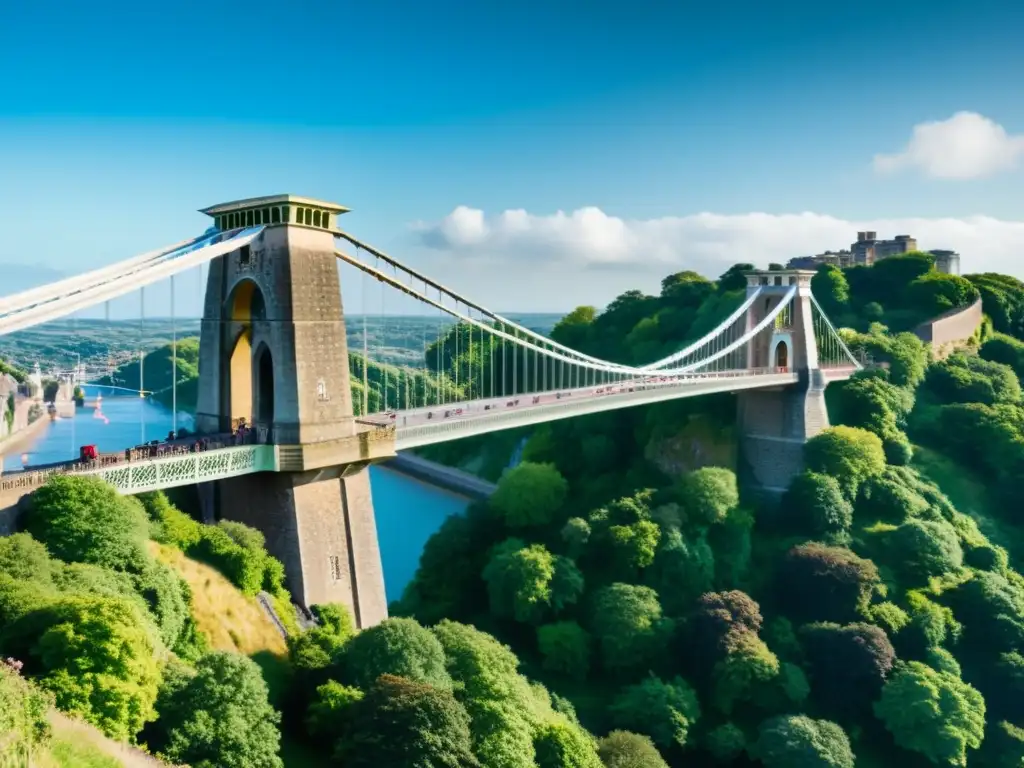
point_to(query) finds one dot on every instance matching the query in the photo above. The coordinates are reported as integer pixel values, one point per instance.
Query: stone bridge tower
(273, 352)
(775, 423)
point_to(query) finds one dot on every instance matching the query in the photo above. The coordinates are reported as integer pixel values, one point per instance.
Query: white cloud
(706, 242)
(966, 146)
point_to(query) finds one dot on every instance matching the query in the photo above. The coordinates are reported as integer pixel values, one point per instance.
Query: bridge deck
(177, 464)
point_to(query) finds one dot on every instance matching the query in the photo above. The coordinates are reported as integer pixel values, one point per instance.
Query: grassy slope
(78, 745)
(230, 621)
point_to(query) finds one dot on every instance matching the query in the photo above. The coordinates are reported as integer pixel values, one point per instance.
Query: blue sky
(118, 121)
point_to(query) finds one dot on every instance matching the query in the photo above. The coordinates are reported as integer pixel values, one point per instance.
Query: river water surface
(408, 511)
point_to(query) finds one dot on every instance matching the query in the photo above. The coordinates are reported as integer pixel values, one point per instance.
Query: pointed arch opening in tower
(782, 356)
(245, 306)
(264, 386)
(240, 379)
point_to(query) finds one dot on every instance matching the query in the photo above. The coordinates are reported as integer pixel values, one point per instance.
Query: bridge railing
(33, 478)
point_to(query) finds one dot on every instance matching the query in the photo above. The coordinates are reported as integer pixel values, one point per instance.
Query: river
(408, 511)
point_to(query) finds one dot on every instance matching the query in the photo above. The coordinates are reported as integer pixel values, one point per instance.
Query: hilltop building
(839, 259)
(868, 249)
(947, 261)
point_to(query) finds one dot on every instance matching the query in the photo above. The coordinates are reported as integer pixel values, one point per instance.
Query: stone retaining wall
(955, 326)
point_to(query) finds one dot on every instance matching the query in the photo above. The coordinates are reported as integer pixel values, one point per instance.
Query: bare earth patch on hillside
(229, 620)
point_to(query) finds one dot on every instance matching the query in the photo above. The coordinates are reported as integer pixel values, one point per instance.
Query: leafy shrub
(628, 626)
(825, 583)
(24, 726)
(665, 711)
(622, 749)
(399, 647)
(924, 548)
(818, 504)
(94, 655)
(528, 583)
(848, 454)
(403, 722)
(84, 520)
(529, 495)
(217, 715)
(792, 740)
(561, 744)
(931, 712)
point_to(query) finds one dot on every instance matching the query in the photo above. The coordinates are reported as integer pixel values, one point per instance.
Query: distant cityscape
(869, 249)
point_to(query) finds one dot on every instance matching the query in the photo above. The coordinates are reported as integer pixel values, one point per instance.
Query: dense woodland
(619, 601)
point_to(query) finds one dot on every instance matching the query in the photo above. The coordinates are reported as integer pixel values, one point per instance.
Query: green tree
(735, 277)
(528, 583)
(330, 710)
(408, 723)
(24, 558)
(848, 454)
(933, 713)
(565, 647)
(936, 293)
(665, 711)
(84, 520)
(848, 665)
(926, 548)
(817, 503)
(94, 655)
(726, 742)
(682, 570)
(746, 673)
(561, 744)
(504, 709)
(717, 619)
(529, 495)
(396, 646)
(312, 652)
(991, 608)
(831, 289)
(622, 749)
(818, 582)
(797, 741)
(218, 716)
(447, 583)
(708, 494)
(573, 330)
(1000, 348)
(628, 626)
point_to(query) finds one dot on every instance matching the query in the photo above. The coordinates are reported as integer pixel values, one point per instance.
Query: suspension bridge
(289, 416)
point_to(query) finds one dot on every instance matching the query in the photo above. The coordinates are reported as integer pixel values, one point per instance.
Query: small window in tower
(266, 215)
(309, 216)
(316, 218)
(216, 222)
(286, 213)
(298, 215)
(275, 215)
(335, 562)
(249, 218)
(778, 280)
(257, 217)
(792, 279)
(326, 220)
(244, 255)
